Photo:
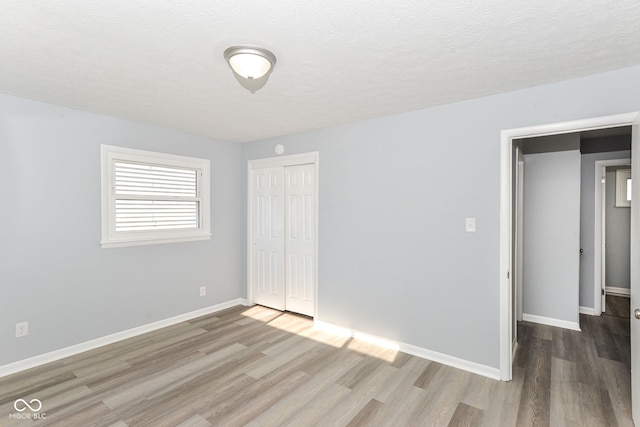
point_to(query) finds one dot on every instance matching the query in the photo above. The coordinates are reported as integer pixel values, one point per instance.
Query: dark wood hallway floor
(256, 366)
(618, 306)
(577, 378)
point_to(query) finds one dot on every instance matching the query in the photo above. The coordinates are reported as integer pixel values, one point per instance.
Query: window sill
(152, 241)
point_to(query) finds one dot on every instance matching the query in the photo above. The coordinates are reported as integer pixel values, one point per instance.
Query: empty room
(306, 213)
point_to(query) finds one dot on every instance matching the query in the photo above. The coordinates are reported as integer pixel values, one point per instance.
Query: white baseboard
(621, 292)
(588, 310)
(551, 322)
(445, 359)
(52, 356)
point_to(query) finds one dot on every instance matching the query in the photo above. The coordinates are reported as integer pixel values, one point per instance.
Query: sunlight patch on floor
(324, 333)
(374, 350)
(366, 344)
(263, 314)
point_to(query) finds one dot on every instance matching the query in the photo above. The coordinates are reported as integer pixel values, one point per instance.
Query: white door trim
(519, 247)
(635, 271)
(270, 162)
(599, 231)
(506, 205)
(519, 231)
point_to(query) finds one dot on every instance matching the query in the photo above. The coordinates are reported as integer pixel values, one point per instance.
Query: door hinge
(508, 276)
(602, 290)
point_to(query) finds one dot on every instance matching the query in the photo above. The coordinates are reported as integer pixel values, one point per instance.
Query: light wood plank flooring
(259, 367)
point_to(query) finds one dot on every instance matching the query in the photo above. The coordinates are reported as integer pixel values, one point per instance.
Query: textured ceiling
(160, 61)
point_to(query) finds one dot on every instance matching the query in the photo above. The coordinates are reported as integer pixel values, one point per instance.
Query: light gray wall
(54, 273)
(551, 235)
(587, 220)
(617, 236)
(394, 259)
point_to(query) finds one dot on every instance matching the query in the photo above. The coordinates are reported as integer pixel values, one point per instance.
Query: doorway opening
(508, 223)
(548, 230)
(562, 280)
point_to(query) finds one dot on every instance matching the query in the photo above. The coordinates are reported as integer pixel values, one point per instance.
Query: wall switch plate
(470, 225)
(22, 329)
(203, 291)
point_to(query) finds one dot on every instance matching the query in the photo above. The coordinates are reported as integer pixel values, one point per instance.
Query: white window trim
(111, 238)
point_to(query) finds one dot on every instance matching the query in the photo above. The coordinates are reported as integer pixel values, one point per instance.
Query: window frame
(111, 238)
(623, 178)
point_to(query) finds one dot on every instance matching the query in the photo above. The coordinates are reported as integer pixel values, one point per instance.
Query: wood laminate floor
(260, 367)
(618, 306)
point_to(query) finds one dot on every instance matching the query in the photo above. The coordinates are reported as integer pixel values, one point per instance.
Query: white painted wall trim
(281, 161)
(588, 311)
(52, 356)
(506, 145)
(621, 292)
(551, 322)
(506, 251)
(599, 266)
(424, 353)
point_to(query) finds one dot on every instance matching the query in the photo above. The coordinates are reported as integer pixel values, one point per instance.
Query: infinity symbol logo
(21, 405)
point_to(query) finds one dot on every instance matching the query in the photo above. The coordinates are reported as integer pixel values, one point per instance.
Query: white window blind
(153, 197)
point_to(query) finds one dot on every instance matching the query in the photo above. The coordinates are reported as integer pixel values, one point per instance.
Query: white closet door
(300, 238)
(268, 237)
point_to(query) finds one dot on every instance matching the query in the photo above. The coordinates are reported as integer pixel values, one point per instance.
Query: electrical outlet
(203, 291)
(22, 329)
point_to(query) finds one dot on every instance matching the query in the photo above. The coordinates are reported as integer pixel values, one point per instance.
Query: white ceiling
(160, 61)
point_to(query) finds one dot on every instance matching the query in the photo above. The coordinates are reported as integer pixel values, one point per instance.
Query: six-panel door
(283, 227)
(300, 238)
(268, 237)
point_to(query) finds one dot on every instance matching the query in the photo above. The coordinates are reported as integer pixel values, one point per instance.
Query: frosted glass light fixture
(250, 62)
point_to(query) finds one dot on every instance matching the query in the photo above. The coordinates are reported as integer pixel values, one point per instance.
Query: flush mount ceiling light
(250, 62)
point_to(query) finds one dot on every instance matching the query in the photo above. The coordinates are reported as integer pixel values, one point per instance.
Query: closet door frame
(271, 162)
